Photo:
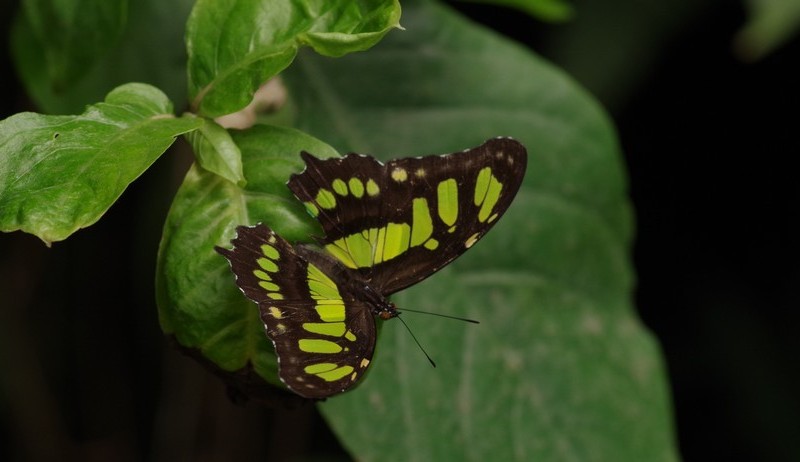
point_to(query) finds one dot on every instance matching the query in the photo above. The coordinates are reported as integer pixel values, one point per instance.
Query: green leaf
(216, 151)
(548, 10)
(73, 34)
(61, 173)
(560, 367)
(197, 298)
(149, 50)
(771, 23)
(236, 45)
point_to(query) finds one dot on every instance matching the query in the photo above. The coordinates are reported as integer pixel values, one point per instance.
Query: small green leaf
(61, 173)
(216, 151)
(73, 34)
(235, 46)
(560, 367)
(197, 298)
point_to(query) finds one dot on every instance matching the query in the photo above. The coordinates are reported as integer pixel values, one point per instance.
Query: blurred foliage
(771, 23)
(148, 48)
(546, 10)
(76, 324)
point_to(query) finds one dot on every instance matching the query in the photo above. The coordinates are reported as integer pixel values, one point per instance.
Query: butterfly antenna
(443, 316)
(417, 342)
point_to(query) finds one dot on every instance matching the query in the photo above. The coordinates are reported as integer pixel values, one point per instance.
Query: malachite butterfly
(387, 226)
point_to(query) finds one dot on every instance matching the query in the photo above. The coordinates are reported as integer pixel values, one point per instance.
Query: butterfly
(387, 226)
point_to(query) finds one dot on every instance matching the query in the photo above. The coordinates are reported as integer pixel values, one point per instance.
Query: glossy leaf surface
(61, 173)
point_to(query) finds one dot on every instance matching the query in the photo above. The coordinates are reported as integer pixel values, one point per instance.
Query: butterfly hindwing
(324, 336)
(398, 223)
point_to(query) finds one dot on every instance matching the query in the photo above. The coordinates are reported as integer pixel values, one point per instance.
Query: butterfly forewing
(323, 335)
(398, 223)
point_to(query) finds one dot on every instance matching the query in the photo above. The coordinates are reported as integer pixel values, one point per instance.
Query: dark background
(709, 142)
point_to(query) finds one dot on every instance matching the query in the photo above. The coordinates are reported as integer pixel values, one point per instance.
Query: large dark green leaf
(560, 367)
(236, 45)
(150, 50)
(197, 299)
(61, 173)
(73, 34)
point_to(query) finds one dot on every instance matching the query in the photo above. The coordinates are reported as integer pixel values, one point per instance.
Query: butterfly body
(387, 226)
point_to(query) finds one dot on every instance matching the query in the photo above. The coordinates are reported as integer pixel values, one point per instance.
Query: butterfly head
(385, 309)
(388, 312)
(379, 305)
